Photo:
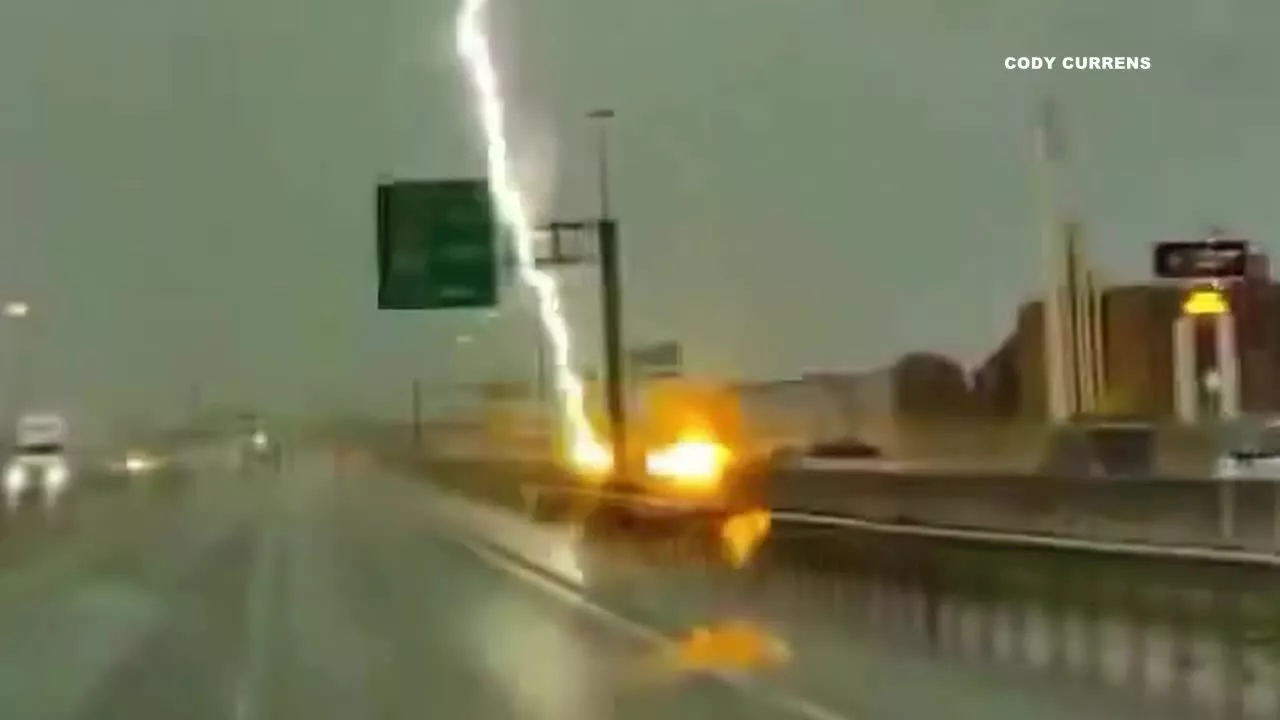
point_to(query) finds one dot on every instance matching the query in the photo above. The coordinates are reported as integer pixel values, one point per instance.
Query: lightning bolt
(473, 49)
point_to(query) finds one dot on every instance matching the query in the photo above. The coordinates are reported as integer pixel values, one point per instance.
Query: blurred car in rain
(147, 470)
(39, 466)
(256, 449)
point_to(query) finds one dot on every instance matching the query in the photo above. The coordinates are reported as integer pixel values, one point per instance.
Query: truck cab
(39, 462)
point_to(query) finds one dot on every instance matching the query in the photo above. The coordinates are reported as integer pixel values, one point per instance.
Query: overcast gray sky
(186, 185)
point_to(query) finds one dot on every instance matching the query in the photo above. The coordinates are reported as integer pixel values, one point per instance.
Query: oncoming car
(258, 450)
(138, 464)
(39, 465)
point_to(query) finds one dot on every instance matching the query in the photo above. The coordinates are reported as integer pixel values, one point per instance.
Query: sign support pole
(606, 235)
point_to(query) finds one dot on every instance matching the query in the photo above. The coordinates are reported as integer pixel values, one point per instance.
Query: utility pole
(605, 230)
(611, 299)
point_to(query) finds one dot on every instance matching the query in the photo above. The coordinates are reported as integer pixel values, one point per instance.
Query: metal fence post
(1228, 609)
(1136, 619)
(1181, 651)
(1227, 510)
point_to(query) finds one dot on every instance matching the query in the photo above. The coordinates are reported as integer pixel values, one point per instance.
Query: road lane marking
(265, 575)
(562, 590)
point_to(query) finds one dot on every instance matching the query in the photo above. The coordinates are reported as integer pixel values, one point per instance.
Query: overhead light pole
(605, 229)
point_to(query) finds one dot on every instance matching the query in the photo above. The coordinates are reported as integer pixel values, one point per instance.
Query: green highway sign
(437, 246)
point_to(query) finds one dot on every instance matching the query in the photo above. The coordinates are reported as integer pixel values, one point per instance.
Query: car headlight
(15, 479)
(138, 464)
(56, 476)
(689, 463)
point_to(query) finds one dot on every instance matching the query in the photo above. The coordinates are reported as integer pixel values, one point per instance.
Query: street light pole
(611, 300)
(605, 227)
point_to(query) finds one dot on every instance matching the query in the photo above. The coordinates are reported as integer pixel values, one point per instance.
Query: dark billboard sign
(1205, 259)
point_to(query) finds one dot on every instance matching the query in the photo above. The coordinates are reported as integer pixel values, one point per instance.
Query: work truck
(38, 464)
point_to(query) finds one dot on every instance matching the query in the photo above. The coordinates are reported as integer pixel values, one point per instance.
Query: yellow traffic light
(1205, 301)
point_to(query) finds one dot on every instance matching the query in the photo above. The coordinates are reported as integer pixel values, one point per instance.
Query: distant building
(790, 412)
(872, 406)
(1137, 344)
(996, 387)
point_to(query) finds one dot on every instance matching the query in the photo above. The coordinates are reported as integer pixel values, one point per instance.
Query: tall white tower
(1073, 317)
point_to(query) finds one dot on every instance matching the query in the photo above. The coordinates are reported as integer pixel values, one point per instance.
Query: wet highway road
(301, 596)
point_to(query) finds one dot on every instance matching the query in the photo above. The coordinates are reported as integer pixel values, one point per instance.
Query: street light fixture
(16, 310)
(601, 118)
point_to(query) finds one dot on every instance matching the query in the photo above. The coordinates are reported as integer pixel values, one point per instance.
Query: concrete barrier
(1212, 513)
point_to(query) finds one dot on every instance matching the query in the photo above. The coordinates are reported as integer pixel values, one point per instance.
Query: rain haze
(187, 185)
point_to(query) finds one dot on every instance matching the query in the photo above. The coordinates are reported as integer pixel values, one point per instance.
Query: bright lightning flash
(473, 49)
